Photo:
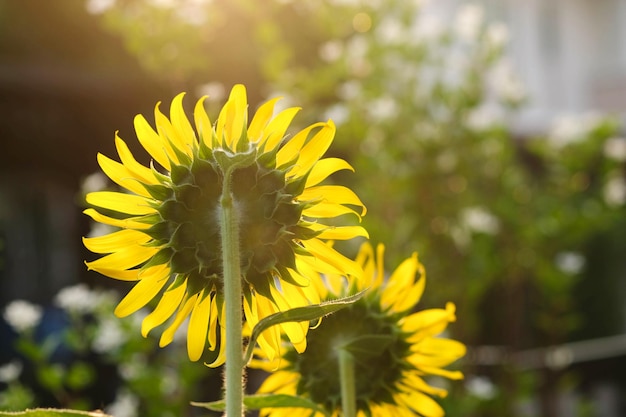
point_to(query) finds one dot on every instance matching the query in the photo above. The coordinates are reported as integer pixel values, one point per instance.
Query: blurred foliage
(94, 352)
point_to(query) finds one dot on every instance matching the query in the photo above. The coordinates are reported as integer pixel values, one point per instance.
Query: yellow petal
(276, 129)
(123, 223)
(167, 135)
(121, 274)
(125, 259)
(232, 119)
(203, 123)
(116, 241)
(421, 403)
(339, 232)
(182, 128)
(121, 202)
(314, 149)
(169, 302)
(139, 171)
(152, 281)
(260, 119)
(296, 332)
(325, 209)
(151, 141)
(198, 327)
(324, 168)
(181, 315)
(337, 194)
(321, 251)
(292, 148)
(400, 290)
(121, 175)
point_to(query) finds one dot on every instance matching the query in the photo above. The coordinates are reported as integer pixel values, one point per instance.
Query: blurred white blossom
(390, 31)
(331, 51)
(338, 113)
(615, 148)
(126, 404)
(505, 82)
(468, 21)
(214, 90)
(426, 29)
(99, 6)
(480, 220)
(76, 298)
(570, 128)
(497, 35)
(10, 372)
(383, 108)
(485, 117)
(480, 387)
(94, 182)
(22, 315)
(570, 262)
(109, 336)
(615, 191)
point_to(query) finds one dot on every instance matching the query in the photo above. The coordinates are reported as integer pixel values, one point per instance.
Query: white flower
(126, 404)
(22, 315)
(570, 262)
(485, 117)
(214, 90)
(77, 298)
(497, 34)
(468, 21)
(109, 336)
(338, 113)
(615, 148)
(94, 182)
(383, 108)
(99, 6)
(331, 51)
(505, 82)
(479, 220)
(390, 31)
(480, 387)
(615, 191)
(10, 372)
(571, 128)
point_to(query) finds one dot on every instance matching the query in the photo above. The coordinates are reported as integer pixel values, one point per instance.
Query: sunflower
(392, 348)
(168, 239)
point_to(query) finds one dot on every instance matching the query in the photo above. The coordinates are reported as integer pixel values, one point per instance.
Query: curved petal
(124, 259)
(123, 223)
(116, 241)
(314, 149)
(203, 123)
(120, 202)
(121, 175)
(198, 327)
(181, 315)
(169, 302)
(324, 168)
(152, 281)
(337, 194)
(151, 141)
(277, 128)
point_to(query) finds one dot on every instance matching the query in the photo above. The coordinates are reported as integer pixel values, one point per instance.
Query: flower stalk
(347, 382)
(229, 224)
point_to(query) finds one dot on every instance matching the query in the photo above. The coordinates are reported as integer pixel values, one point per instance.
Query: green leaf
(50, 412)
(299, 314)
(256, 402)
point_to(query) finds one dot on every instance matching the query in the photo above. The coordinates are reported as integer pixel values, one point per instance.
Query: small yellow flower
(169, 237)
(389, 376)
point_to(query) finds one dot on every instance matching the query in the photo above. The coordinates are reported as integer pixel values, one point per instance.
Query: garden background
(488, 136)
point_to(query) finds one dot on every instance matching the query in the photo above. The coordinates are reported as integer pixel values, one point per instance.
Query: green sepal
(297, 186)
(51, 412)
(158, 191)
(268, 159)
(161, 257)
(230, 161)
(183, 158)
(299, 314)
(259, 401)
(181, 174)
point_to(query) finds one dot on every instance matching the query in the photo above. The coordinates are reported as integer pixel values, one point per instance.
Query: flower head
(393, 349)
(169, 238)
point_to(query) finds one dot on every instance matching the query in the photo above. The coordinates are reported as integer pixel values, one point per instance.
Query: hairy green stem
(348, 384)
(233, 299)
